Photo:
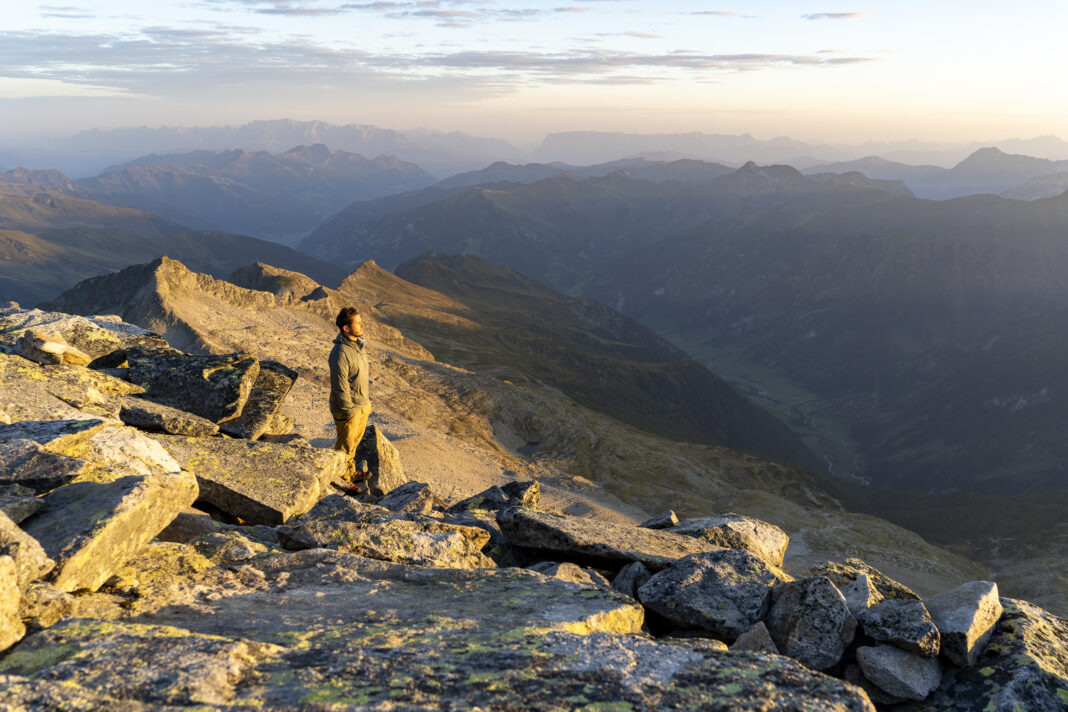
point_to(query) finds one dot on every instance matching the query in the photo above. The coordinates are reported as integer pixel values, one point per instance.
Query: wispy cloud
(835, 15)
(65, 12)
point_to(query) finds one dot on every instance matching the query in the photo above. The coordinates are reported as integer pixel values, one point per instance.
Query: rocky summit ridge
(175, 535)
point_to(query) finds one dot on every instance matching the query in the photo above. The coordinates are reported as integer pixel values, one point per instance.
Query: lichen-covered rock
(261, 483)
(526, 493)
(965, 618)
(213, 387)
(905, 623)
(383, 461)
(595, 542)
(810, 621)
(49, 349)
(410, 497)
(664, 520)
(853, 674)
(844, 574)
(158, 418)
(570, 572)
(1024, 667)
(11, 626)
(31, 561)
(24, 463)
(44, 605)
(159, 664)
(90, 529)
(755, 640)
(899, 673)
(724, 591)
(56, 436)
(119, 452)
(498, 547)
(389, 538)
(860, 594)
(18, 502)
(270, 389)
(630, 578)
(734, 531)
(96, 337)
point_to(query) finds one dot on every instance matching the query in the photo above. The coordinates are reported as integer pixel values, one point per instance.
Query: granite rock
(810, 621)
(18, 502)
(383, 461)
(844, 574)
(212, 387)
(899, 673)
(571, 572)
(157, 418)
(904, 623)
(49, 349)
(734, 531)
(11, 626)
(269, 390)
(755, 640)
(664, 520)
(31, 561)
(966, 617)
(410, 497)
(630, 578)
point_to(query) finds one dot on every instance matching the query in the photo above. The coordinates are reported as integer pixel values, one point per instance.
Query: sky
(815, 70)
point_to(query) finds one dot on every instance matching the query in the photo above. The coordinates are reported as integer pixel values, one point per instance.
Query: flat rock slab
(366, 635)
(1024, 667)
(595, 542)
(966, 617)
(270, 389)
(735, 531)
(78, 331)
(90, 529)
(262, 483)
(724, 592)
(34, 392)
(158, 418)
(119, 452)
(53, 435)
(213, 387)
(24, 463)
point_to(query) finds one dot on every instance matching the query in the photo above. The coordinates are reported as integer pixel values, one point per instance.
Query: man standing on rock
(349, 401)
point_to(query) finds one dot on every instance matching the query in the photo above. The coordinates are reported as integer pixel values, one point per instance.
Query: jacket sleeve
(340, 388)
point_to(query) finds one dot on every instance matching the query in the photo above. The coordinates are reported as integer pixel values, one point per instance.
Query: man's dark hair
(345, 316)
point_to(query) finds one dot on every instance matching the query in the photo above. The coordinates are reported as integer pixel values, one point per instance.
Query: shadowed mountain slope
(530, 333)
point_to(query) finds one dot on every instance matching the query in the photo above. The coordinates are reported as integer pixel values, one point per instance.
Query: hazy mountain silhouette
(1042, 187)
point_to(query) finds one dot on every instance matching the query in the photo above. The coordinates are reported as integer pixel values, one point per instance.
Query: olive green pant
(349, 435)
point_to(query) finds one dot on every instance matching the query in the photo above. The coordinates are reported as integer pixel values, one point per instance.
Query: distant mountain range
(275, 196)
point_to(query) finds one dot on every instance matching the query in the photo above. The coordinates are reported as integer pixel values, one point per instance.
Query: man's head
(349, 323)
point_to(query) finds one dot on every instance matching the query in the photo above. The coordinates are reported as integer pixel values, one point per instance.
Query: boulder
(57, 436)
(526, 492)
(49, 349)
(94, 336)
(158, 418)
(383, 461)
(33, 392)
(860, 594)
(491, 500)
(11, 626)
(844, 574)
(630, 578)
(44, 605)
(593, 542)
(902, 622)
(213, 387)
(119, 452)
(498, 548)
(810, 621)
(91, 528)
(724, 591)
(755, 640)
(664, 520)
(966, 617)
(271, 387)
(31, 561)
(410, 497)
(571, 572)
(18, 502)
(280, 424)
(734, 531)
(899, 673)
(27, 465)
(260, 483)
(1024, 667)
(854, 675)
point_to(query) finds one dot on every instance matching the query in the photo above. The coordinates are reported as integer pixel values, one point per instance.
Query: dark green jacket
(348, 378)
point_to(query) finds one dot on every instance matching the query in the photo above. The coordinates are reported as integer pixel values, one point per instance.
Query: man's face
(353, 329)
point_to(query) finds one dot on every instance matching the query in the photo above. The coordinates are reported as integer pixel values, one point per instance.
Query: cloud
(835, 15)
(64, 12)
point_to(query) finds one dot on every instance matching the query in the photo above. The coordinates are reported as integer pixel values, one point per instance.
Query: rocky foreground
(167, 543)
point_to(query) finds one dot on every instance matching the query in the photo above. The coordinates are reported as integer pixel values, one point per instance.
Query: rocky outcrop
(590, 541)
(212, 387)
(260, 483)
(810, 621)
(734, 531)
(724, 592)
(91, 528)
(158, 418)
(966, 617)
(269, 390)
